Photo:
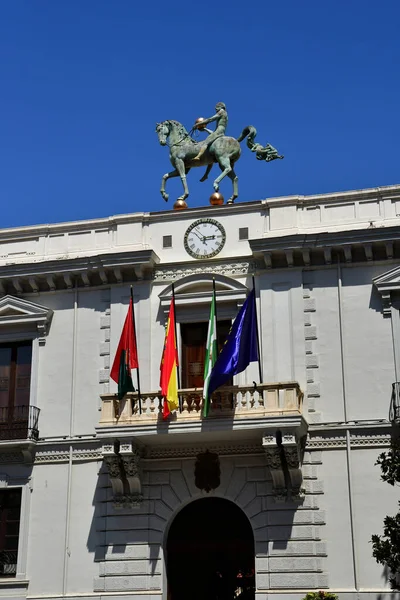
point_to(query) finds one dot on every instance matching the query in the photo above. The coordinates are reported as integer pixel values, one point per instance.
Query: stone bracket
(123, 469)
(292, 448)
(284, 447)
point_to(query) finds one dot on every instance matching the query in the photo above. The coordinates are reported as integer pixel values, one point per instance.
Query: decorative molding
(170, 273)
(356, 245)
(294, 449)
(273, 456)
(61, 453)
(87, 271)
(284, 450)
(122, 463)
(187, 292)
(334, 441)
(386, 284)
(21, 313)
(230, 449)
(11, 457)
(369, 440)
(325, 442)
(18, 451)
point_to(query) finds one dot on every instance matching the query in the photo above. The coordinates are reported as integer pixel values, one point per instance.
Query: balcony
(232, 407)
(267, 415)
(8, 563)
(19, 423)
(19, 430)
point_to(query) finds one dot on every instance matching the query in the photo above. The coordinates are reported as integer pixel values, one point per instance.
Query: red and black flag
(126, 357)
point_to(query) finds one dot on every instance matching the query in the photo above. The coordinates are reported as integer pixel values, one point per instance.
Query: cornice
(14, 233)
(325, 437)
(32, 231)
(88, 271)
(382, 192)
(308, 249)
(200, 211)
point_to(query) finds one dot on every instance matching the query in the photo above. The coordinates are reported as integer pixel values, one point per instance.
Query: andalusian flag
(211, 354)
(126, 357)
(169, 365)
(241, 346)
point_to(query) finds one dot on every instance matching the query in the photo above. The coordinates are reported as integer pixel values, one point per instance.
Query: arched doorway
(210, 553)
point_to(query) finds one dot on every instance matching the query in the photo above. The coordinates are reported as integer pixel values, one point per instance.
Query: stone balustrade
(236, 401)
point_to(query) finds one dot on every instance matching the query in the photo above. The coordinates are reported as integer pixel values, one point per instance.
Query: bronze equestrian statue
(185, 152)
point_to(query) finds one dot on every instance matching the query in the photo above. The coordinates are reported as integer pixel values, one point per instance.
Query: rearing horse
(224, 150)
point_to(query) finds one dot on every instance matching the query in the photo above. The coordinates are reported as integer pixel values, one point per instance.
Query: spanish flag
(169, 365)
(126, 357)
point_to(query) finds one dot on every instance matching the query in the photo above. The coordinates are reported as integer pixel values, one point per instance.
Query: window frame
(14, 346)
(22, 321)
(23, 484)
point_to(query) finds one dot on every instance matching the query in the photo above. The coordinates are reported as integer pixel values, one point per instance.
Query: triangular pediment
(7, 311)
(388, 281)
(18, 311)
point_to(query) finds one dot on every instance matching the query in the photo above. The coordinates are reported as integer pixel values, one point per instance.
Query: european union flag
(240, 348)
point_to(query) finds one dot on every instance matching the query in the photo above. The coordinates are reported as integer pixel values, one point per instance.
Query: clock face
(204, 238)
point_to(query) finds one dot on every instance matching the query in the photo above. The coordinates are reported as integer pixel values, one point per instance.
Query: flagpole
(137, 369)
(216, 323)
(176, 346)
(257, 335)
(215, 310)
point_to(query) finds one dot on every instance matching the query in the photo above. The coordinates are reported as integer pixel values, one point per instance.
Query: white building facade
(276, 493)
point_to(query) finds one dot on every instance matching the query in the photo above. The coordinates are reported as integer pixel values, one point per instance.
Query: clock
(204, 238)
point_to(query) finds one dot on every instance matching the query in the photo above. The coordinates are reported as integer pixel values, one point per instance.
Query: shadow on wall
(123, 533)
(245, 489)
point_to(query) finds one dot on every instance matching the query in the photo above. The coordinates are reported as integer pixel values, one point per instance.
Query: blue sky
(83, 83)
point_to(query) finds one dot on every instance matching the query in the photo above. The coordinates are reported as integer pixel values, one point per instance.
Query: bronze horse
(224, 150)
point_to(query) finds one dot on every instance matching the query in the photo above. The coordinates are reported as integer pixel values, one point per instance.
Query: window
(194, 338)
(15, 382)
(10, 512)
(167, 241)
(243, 233)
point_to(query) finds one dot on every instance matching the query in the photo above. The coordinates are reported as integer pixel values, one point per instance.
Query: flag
(168, 366)
(211, 354)
(240, 348)
(126, 356)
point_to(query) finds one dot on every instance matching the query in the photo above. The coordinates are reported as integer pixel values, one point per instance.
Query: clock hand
(202, 238)
(210, 237)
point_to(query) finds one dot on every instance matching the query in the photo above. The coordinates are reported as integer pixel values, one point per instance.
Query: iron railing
(19, 422)
(394, 411)
(8, 563)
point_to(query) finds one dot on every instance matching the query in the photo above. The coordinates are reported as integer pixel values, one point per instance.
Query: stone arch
(209, 550)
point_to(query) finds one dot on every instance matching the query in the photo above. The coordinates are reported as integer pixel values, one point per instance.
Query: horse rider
(221, 118)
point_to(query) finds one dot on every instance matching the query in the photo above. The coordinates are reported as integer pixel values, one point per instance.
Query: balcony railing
(394, 412)
(236, 401)
(19, 423)
(8, 563)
